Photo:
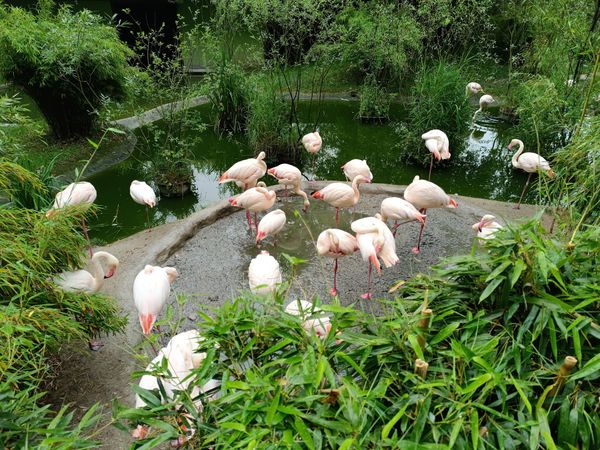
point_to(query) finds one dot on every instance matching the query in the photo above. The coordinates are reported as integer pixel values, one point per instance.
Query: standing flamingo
(289, 175)
(90, 282)
(375, 240)
(357, 167)
(311, 316)
(423, 195)
(271, 225)
(484, 101)
(254, 200)
(264, 274)
(143, 194)
(529, 162)
(151, 289)
(336, 243)
(80, 193)
(473, 88)
(399, 209)
(312, 143)
(246, 173)
(340, 195)
(486, 228)
(438, 144)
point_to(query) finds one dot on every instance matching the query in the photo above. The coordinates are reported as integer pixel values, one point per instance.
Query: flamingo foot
(367, 296)
(95, 345)
(333, 292)
(415, 250)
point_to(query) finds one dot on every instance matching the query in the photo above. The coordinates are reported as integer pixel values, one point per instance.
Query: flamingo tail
(146, 321)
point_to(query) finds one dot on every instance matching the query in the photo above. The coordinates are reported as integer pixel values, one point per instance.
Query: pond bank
(212, 249)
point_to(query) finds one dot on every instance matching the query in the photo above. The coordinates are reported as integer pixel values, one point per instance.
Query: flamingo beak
(110, 273)
(421, 218)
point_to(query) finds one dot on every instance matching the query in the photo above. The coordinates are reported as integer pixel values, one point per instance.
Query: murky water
(482, 168)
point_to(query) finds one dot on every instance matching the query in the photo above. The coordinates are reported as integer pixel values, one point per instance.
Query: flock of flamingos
(372, 237)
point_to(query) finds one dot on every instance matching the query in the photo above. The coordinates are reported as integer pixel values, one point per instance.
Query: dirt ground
(212, 249)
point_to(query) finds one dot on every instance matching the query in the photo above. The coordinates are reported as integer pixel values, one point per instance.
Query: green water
(481, 169)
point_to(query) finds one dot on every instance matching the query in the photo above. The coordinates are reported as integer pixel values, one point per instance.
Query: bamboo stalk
(421, 368)
(423, 326)
(565, 369)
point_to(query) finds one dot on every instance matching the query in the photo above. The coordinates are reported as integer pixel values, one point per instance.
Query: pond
(481, 169)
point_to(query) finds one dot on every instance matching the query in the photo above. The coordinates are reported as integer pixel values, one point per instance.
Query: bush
(437, 102)
(66, 62)
(374, 102)
(229, 98)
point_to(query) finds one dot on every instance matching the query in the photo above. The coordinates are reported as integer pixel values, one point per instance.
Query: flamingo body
(79, 193)
(321, 324)
(142, 193)
(487, 227)
(356, 167)
(312, 142)
(340, 195)
(247, 172)
(289, 175)
(336, 243)
(264, 274)
(151, 289)
(399, 209)
(254, 199)
(271, 224)
(90, 282)
(424, 194)
(437, 143)
(529, 162)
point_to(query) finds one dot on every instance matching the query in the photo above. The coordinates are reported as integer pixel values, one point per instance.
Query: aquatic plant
(374, 101)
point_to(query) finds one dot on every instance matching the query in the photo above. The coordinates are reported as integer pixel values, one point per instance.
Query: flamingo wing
(77, 281)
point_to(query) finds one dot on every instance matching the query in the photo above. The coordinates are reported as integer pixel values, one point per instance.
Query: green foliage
(68, 78)
(437, 102)
(374, 101)
(14, 120)
(228, 95)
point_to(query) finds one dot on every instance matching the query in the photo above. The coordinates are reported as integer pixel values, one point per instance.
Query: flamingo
(486, 228)
(484, 101)
(255, 199)
(80, 193)
(143, 194)
(529, 162)
(312, 143)
(90, 282)
(357, 167)
(289, 175)
(336, 243)
(271, 225)
(151, 289)
(474, 88)
(399, 209)
(438, 144)
(340, 195)
(375, 240)
(264, 274)
(321, 324)
(423, 195)
(246, 173)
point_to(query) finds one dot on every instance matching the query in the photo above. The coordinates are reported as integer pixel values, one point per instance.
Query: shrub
(229, 98)
(437, 102)
(374, 101)
(66, 63)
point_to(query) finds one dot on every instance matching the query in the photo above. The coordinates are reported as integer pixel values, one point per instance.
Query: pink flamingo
(289, 175)
(529, 162)
(151, 289)
(246, 173)
(356, 167)
(423, 195)
(336, 243)
(340, 195)
(80, 193)
(254, 200)
(484, 102)
(438, 144)
(271, 225)
(473, 88)
(143, 194)
(264, 274)
(312, 143)
(375, 240)
(313, 318)
(399, 209)
(487, 227)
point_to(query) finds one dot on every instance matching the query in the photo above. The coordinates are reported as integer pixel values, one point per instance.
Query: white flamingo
(255, 199)
(312, 317)
(270, 225)
(312, 142)
(289, 175)
(487, 227)
(336, 243)
(484, 102)
(151, 289)
(340, 195)
(264, 274)
(399, 209)
(438, 144)
(143, 194)
(356, 167)
(474, 88)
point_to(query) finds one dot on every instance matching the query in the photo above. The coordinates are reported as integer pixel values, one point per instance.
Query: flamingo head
(272, 171)
(232, 201)
(140, 432)
(485, 220)
(306, 205)
(111, 271)
(420, 217)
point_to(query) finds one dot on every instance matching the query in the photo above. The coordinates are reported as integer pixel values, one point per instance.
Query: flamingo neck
(515, 158)
(96, 269)
(355, 184)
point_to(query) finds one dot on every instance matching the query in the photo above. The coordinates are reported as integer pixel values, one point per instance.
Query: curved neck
(519, 151)
(301, 193)
(96, 269)
(355, 184)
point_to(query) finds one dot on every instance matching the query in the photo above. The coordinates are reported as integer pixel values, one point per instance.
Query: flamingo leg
(395, 227)
(286, 192)
(85, 233)
(430, 167)
(148, 219)
(248, 219)
(335, 269)
(417, 249)
(255, 223)
(368, 295)
(524, 189)
(337, 217)
(314, 158)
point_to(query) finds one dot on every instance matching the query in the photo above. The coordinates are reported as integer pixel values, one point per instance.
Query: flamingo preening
(529, 162)
(484, 102)
(271, 225)
(312, 317)
(356, 167)
(423, 195)
(264, 274)
(336, 243)
(254, 200)
(438, 144)
(143, 194)
(312, 142)
(151, 289)
(487, 227)
(473, 88)
(289, 175)
(400, 210)
(80, 193)
(375, 240)
(340, 195)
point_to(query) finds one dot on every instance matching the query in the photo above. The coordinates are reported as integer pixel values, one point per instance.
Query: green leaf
(545, 429)
(414, 343)
(577, 344)
(517, 385)
(490, 288)
(234, 426)
(497, 271)
(476, 383)
(388, 426)
(444, 333)
(272, 410)
(347, 444)
(276, 347)
(474, 421)
(516, 273)
(455, 430)
(591, 370)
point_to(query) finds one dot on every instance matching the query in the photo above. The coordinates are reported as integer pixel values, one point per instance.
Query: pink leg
(286, 192)
(337, 217)
(248, 219)
(275, 245)
(255, 223)
(368, 295)
(148, 220)
(335, 268)
(85, 233)
(524, 189)
(417, 249)
(395, 228)
(430, 167)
